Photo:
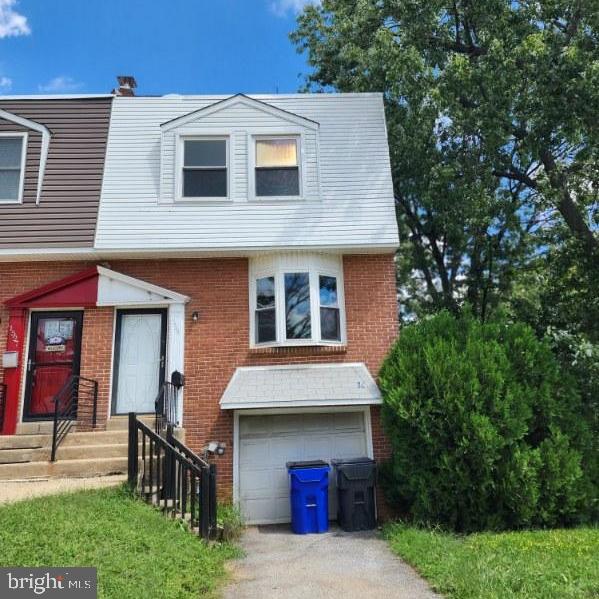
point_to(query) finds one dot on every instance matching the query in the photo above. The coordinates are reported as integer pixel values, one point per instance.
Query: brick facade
(219, 341)
(96, 354)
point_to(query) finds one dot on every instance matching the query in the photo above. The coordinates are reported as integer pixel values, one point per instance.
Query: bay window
(297, 306)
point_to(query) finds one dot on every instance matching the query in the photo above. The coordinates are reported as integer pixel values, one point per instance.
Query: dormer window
(204, 168)
(277, 167)
(13, 148)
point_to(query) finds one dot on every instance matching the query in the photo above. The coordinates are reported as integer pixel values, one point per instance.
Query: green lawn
(138, 552)
(534, 564)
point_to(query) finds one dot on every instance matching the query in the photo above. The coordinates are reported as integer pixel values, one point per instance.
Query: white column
(175, 348)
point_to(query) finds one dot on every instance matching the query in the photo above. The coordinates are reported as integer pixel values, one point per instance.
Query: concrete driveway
(335, 564)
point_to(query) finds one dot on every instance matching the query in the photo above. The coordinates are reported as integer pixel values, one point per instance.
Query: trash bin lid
(347, 461)
(307, 464)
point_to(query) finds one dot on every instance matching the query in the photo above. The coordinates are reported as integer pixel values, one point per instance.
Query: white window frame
(325, 273)
(179, 160)
(255, 278)
(23, 135)
(298, 136)
(315, 271)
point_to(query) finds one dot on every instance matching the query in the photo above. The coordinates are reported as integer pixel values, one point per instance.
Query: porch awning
(96, 286)
(306, 385)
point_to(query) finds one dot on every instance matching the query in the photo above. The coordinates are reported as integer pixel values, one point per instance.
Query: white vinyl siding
(347, 194)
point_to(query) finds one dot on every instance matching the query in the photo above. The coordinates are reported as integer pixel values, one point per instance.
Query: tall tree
(492, 118)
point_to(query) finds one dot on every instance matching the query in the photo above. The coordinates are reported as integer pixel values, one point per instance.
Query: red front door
(54, 355)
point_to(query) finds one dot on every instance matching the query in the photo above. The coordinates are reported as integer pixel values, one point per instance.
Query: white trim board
(115, 288)
(51, 253)
(232, 101)
(29, 124)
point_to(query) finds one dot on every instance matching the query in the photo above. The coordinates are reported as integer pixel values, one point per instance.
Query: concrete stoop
(26, 455)
(76, 468)
(119, 423)
(81, 454)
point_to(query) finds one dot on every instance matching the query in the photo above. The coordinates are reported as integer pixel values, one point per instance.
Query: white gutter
(41, 254)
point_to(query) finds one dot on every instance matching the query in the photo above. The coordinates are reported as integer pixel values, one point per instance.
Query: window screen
(277, 167)
(11, 149)
(205, 168)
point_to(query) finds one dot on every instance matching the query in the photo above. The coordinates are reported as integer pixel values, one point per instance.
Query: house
(245, 241)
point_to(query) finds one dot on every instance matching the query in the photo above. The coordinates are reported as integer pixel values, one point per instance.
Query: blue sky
(170, 46)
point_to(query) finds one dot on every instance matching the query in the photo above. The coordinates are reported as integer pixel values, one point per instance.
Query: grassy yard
(537, 564)
(137, 551)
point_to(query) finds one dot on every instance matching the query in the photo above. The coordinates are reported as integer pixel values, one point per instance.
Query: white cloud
(5, 84)
(12, 23)
(60, 85)
(282, 7)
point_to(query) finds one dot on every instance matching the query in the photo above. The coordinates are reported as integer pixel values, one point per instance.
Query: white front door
(266, 443)
(139, 360)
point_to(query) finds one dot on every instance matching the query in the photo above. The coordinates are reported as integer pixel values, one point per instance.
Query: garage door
(266, 443)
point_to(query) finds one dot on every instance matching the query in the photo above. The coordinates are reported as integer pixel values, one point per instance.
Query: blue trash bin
(309, 494)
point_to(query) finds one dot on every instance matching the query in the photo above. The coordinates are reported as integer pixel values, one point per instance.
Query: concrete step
(66, 468)
(40, 427)
(65, 452)
(76, 452)
(95, 438)
(23, 441)
(18, 456)
(72, 438)
(114, 423)
(117, 423)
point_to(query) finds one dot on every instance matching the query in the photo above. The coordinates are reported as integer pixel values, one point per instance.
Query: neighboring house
(247, 242)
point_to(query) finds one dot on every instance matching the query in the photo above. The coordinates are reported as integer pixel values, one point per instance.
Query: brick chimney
(127, 85)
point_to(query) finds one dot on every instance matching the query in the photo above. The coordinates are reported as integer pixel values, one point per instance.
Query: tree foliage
(493, 129)
(485, 427)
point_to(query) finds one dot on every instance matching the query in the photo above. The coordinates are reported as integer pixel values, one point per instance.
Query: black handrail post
(212, 502)
(133, 464)
(165, 407)
(169, 467)
(95, 409)
(54, 429)
(205, 503)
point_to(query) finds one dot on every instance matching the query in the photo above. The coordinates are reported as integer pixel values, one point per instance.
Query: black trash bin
(356, 481)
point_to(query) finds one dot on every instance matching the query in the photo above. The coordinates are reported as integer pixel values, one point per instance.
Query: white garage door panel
(266, 443)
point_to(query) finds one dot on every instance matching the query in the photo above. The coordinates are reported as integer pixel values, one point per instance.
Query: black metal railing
(76, 402)
(165, 406)
(168, 475)
(2, 404)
